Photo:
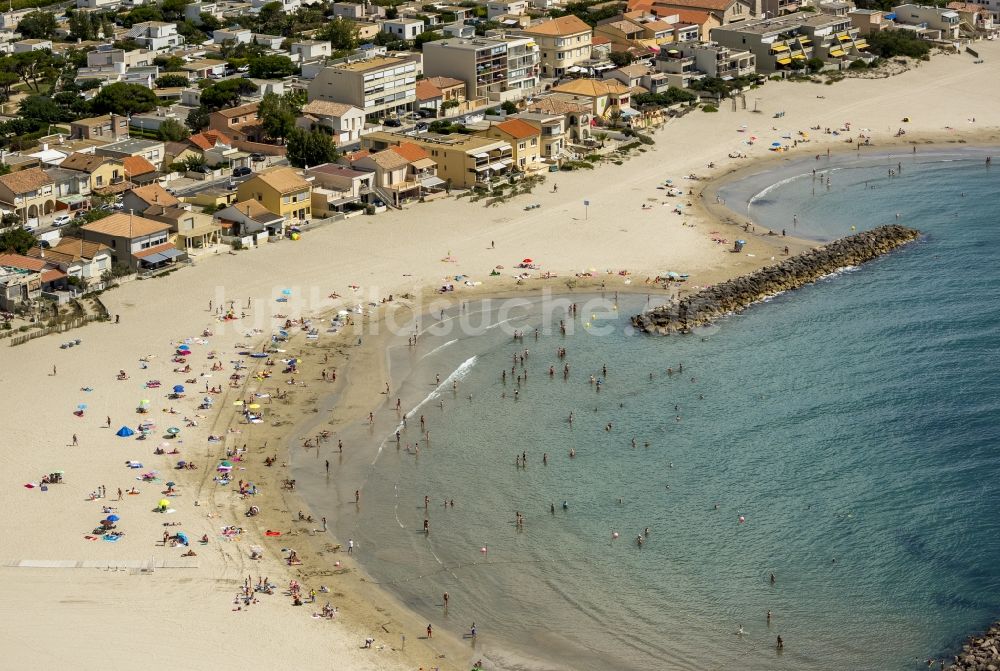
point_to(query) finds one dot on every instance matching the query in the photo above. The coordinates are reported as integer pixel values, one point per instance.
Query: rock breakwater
(711, 303)
(980, 653)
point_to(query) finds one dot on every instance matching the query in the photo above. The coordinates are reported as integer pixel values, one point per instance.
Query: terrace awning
(837, 52)
(784, 61)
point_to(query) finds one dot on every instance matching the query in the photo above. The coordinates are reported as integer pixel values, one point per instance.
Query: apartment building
(562, 43)
(155, 35)
(494, 69)
(464, 160)
(379, 86)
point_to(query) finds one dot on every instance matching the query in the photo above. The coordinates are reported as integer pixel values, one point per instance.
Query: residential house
(524, 138)
(356, 11)
(404, 29)
(18, 287)
(270, 42)
(629, 75)
(715, 60)
(151, 150)
(25, 46)
(600, 96)
(379, 86)
(71, 189)
(107, 175)
(309, 50)
(551, 132)
(463, 161)
(140, 199)
(501, 8)
(871, 21)
(562, 43)
(205, 68)
(345, 122)
(106, 56)
(287, 6)
(727, 11)
(195, 230)
(155, 35)
(249, 220)
(238, 123)
(135, 242)
(392, 180)
(929, 22)
(575, 112)
(702, 20)
(281, 190)
(87, 261)
(218, 149)
(28, 193)
(139, 171)
(495, 69)
(232, 36)
(338, 188)
(433, 92)
(109, 128)
(974, 19)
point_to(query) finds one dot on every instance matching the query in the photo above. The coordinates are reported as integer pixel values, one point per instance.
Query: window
(285, 200)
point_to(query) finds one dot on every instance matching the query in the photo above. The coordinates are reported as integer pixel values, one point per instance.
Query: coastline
(364, 607)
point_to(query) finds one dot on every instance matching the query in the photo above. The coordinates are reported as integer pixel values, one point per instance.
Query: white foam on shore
(439, 348)
(458, 374)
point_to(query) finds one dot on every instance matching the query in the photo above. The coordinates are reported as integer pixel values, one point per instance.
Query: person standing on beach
(430, 632)
(350, 546)
(357, 496)
(328, 467)
(324, 528)
(75, 441)
(446, 600)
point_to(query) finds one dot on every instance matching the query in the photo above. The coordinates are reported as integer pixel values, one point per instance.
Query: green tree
(342, 34)
(621, 58)
(194, 162)
(42, 108)
(33, 67)
(17, 240)
(889, 43)
(7, 80)
(169, 63)
(310, 148)
(815, 64)
(508, 107)
(38, 25)
(208, 22)
(172, 130)
(226, 93)
(167, 81)
(423, 38)
(197, 119)
(142, 14)
(124, 99)
(272, 67)
(615, 117)
(277, 117)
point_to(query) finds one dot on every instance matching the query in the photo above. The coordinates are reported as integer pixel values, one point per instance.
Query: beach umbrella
(113, 518)
(775, 144)
(527, 261)
(182, 537)
(286, 292)
(171, 484)
(82, 406)
(254, 406)
(164, 503)
(181, 463)
(183, 347)
(226, 464)
(173, 431)
(144, 401)
(125, 432)
(237, 402)
(178, 388)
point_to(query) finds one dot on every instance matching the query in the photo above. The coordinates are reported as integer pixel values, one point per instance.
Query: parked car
(392, 123)
(412, 116)
(427, 113)
(422, 127)
(242, 172)
(256, 158)
(61, 220)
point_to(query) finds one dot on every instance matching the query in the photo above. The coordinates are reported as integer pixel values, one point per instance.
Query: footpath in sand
(77, 614)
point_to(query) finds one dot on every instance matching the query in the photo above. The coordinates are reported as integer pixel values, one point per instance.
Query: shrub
(709, 108)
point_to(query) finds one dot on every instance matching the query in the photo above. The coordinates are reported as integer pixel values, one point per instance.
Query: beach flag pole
(586, 210)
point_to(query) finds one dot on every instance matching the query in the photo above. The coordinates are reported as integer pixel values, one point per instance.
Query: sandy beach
(79, 600)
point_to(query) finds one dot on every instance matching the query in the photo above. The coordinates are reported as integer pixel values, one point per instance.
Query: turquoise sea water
(853, 424)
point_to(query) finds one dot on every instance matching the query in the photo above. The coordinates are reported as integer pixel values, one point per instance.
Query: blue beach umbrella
(113, 518)
(286, 292)
(125, 432)
(82, 406)
(178, 388)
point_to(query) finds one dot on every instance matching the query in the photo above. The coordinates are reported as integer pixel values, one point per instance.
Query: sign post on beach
(586, 212)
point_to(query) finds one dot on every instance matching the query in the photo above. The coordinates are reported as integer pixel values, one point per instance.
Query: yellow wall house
(524, 139)
(28, 192)
(563, 43)
(463, 160)
(281, 190)
(107, 175)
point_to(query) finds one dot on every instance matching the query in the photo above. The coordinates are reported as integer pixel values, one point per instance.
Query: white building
(155, 35)
(232, 36)
(929, 22)
(404, 29)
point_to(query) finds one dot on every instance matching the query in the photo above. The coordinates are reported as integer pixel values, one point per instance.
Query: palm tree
(615, 117)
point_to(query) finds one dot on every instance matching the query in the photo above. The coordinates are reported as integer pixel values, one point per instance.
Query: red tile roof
(518, 129)
(137, 165)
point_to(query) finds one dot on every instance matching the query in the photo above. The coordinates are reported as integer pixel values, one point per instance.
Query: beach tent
(125, 432)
